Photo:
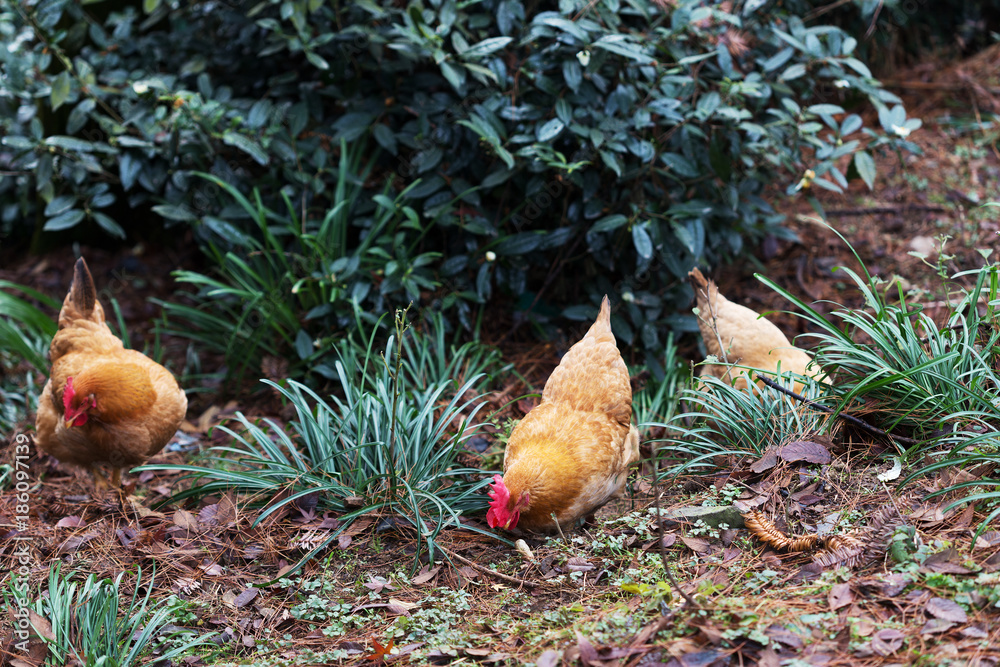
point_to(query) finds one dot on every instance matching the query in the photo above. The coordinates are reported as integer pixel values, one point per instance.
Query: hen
(571, 453)
(738, 335)
(103, 403)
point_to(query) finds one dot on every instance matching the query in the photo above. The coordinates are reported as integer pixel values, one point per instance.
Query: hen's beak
(73, 417)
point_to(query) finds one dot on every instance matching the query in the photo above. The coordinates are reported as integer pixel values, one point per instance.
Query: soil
(588, 597)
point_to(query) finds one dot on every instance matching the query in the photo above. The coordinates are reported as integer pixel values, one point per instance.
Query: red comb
(68, 394)
(500, 495)
(499, 491)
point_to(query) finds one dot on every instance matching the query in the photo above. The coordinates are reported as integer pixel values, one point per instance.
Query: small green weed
(440, 622)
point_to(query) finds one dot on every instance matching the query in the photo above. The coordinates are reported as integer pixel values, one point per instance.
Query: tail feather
(81, 301)
(592, 377)
(83, 291)
(705, 290)
(601, 328)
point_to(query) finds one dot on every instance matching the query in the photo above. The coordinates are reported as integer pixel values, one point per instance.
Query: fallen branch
(660, 535)
(935, 85)
(486, 570)
(860, 423)
(884, 210)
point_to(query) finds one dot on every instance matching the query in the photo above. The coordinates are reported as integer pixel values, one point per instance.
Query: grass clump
(934, 388)
(722, 420)
(96, 623)
(25, 329)
(288, 279)
(922, 377)
(25, 334)
(384, 446)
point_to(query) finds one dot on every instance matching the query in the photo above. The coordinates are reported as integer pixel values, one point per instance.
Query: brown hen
(739, 336)
(570, 454)
(103, 404)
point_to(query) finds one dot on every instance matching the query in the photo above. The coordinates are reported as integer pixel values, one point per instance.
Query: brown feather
(572, 452)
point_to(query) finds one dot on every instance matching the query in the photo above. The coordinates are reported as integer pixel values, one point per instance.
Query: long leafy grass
(922, 376)
(937, 385)
(385, 445)
(25, 333)
(429, 359)
(95, 623)
(724, 421)
(277, 288)
(25, 329)
(657, 403)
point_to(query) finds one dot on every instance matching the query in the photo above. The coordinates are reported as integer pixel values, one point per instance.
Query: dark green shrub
(551, 152)
(900, 32)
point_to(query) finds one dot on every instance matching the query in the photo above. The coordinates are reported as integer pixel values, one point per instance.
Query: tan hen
(570, 454)
(739, 336)
(103, 404)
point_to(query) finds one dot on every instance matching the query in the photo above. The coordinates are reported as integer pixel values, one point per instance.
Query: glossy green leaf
(64, 220)
(61, 86)
(486, 47)
(865, 165)
(247, 145)
(640, 239)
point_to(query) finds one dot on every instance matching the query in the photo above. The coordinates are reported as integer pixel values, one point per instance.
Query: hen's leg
(100, 481)
(116, 478)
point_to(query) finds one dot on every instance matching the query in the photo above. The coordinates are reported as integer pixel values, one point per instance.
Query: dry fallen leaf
(577, 564)
(588, 654)
(888, 641)
(74, 542)
(377, 584)
(767, 461)
(426, 575)
(804, 450)
(37, 652)
(222, 513)
(894, 584)
(244, 598)
(991, 537)
(185, 520)
(380, 651)
(400, 607)
(947, 610)
(935, 626)
(41, 626)
(71, 522)
(840, 596)
(140, 509)
(974, 632)
(207, 418)
(523, 549)
(696, 544)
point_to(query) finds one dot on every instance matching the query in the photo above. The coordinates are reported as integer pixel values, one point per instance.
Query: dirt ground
(598, 596)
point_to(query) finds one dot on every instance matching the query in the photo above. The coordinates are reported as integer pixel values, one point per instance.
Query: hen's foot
(100, 481)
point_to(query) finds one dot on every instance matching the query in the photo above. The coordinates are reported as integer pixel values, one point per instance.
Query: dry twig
(860, 423)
